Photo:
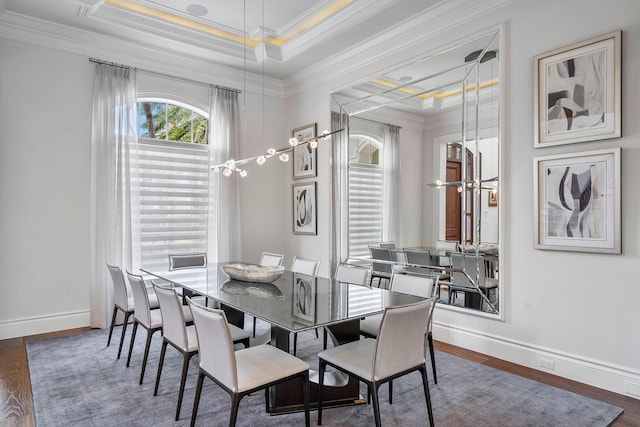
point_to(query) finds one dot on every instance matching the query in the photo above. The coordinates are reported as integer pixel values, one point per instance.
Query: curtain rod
(374, 121)
(156, 73)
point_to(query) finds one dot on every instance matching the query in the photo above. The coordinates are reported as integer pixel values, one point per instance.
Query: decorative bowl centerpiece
(253, 273)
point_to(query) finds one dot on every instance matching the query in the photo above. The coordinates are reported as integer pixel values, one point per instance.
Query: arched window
(365, 194)
(172, 179)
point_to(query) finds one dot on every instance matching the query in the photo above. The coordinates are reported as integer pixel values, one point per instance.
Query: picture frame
(304, 295)
(305, 208)
(577, 92)
(577, 201)
(304, 157)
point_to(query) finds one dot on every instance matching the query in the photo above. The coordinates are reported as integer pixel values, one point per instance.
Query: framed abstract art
(577, 92)
(577, 201)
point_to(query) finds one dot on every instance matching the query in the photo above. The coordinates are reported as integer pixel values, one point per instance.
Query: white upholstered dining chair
(375, 362)
(270, 260)
(308, 267)
(240, 372)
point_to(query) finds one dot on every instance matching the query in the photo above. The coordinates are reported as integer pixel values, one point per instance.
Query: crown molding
(149, 57)
(411, 34)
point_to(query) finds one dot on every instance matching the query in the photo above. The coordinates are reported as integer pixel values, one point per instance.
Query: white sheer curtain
(112, 225)
(339, 191)
(224, 202)
(390, 188)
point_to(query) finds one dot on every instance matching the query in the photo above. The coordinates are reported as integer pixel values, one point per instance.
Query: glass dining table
(292, 303)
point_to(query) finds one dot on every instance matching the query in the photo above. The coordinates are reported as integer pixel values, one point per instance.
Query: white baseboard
(599, 374)
(43, 324)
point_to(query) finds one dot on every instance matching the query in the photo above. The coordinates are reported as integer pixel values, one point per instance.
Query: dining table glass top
(294, 302)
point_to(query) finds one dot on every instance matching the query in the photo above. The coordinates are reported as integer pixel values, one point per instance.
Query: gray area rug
(77, 381)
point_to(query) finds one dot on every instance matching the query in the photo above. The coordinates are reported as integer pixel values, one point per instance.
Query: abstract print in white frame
(577, 204)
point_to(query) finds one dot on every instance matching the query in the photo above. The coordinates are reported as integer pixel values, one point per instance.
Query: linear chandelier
(231, 165)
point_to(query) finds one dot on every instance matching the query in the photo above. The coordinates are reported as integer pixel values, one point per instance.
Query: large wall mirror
(418, 168)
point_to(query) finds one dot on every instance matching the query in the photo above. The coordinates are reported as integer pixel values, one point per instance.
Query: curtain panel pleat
(224, 202)
(113, 230)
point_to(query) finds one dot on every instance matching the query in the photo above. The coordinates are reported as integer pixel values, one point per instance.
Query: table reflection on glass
(293, 303)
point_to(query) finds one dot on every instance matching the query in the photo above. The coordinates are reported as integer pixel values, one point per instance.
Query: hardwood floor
(16, 405)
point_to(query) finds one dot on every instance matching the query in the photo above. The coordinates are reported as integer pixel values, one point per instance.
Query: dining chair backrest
(120, 292)
(418, 285)
(418, 256)
(305, 266)
(402, 331)
(467, 263)
(216, 352)
(269, 259)
(381, 254)
(177, 262)
(140, 299)
(352, 274)
(387, 245)
(174, 328)
(448, 246)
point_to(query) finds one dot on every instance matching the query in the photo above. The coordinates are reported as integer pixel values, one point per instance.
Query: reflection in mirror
(447, 170)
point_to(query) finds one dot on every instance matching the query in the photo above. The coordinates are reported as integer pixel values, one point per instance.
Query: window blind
(173, 189)
(365, 208)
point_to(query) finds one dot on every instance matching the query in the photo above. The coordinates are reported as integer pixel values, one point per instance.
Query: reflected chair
(374, 362)
(387, 245)
(352, 274)
(241, 372)
(380, 270)
(475, 268)
(310, 268)
(268, 259)
(446, 246)
(123, 302)
(413, 284)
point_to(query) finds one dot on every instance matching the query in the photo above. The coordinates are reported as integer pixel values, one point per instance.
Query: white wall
(575, 309)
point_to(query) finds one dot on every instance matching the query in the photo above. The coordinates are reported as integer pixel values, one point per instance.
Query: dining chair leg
(295, 343)
(235, 402)
(427, 396)
(433, 357)
(266, 399)
(183, 380)
(196, 400)
(124, 330)
(113, 321)
(146, 352)
(163, 350)
(133, 338)
(376, 403)
(391, 392)
(321, 368)
(307, 405)
(254, 327)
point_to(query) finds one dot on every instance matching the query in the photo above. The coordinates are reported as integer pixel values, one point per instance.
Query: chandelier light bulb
(227, 172)
(243, 173)
(231, 164)
(216, 170)
(459, 189)
(293, 141)
(271, 151)
(284, 157)
(313, 144)
(325, 134)
(260, 160)
(438, 182)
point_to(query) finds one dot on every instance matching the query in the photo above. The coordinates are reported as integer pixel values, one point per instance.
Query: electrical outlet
(547, 364)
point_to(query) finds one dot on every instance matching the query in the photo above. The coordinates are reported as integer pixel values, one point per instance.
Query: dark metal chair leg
(391, 392)
(433, 357)
(295, 343)
(321, 368)
(427, 396)
(305, 390)
(235, 402)
(376, 404)
(124, 331)
(196, 400)
(254, 327)
(113, 321)
(183, 380)
(163, 350)
(133, 338)
(146, 353)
